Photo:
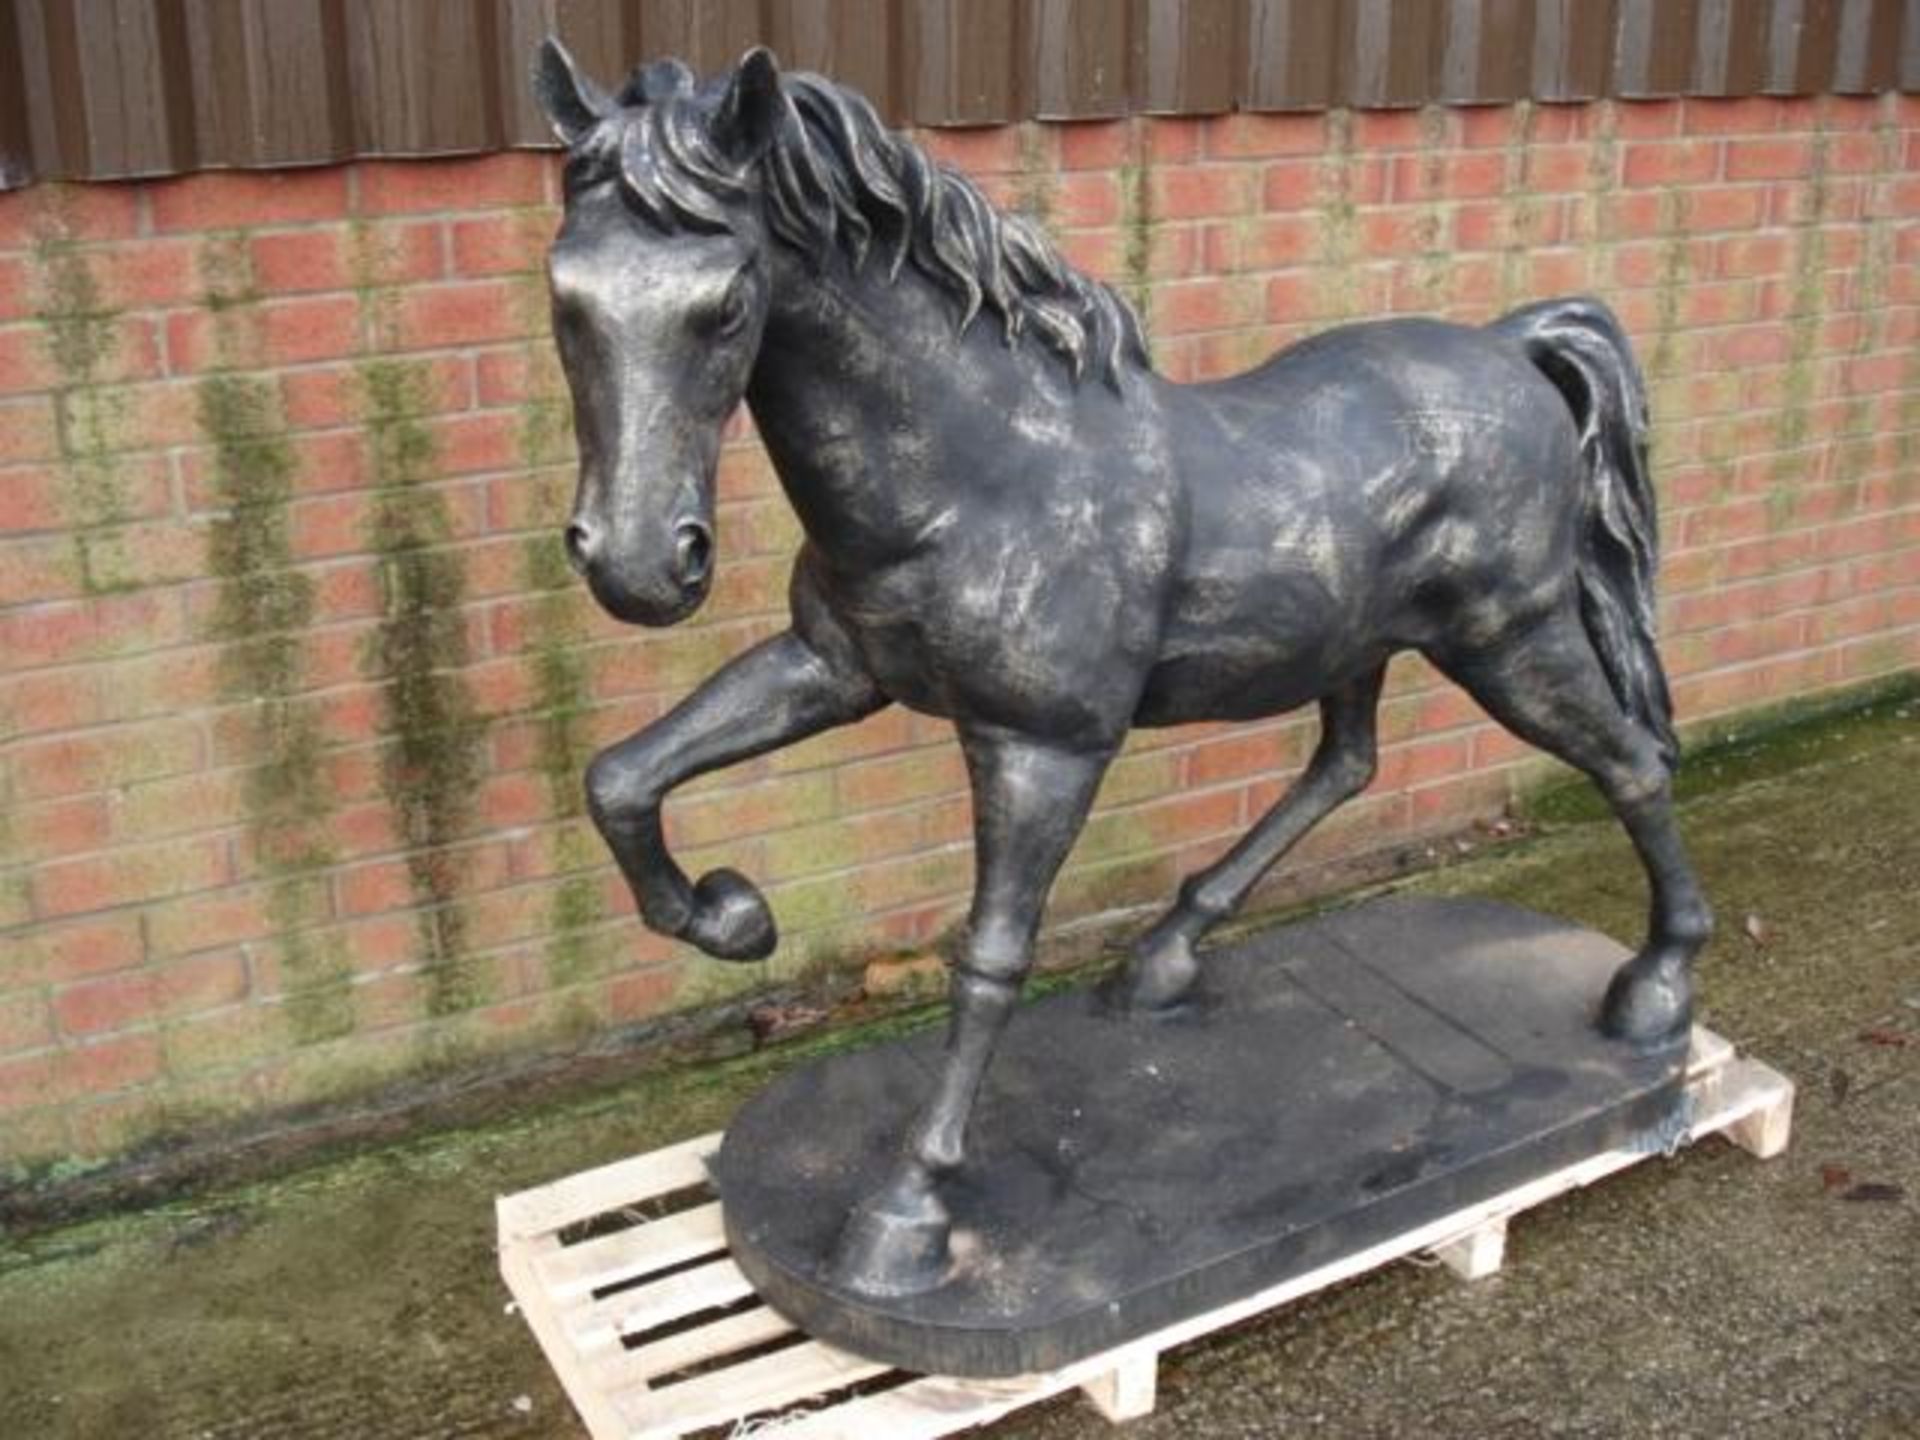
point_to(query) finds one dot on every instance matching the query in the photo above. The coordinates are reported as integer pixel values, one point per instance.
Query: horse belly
(1257, 648)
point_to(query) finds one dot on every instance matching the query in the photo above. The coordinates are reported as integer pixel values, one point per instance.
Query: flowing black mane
(836, 175)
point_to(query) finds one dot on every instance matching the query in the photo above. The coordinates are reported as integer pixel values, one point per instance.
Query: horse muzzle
(658, 594)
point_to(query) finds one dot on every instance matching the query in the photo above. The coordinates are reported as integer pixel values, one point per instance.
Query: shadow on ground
(1711, 1295)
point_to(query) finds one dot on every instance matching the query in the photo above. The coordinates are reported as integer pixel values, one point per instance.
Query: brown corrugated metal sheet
(112, 88)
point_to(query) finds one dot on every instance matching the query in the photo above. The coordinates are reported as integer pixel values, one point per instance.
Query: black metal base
(1332, 1084)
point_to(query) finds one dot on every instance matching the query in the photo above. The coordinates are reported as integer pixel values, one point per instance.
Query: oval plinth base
(1333, 1083)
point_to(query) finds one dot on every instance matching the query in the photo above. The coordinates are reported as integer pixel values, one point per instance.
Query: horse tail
(1578, 344)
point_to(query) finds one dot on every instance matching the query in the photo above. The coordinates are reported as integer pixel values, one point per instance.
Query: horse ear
(750, 113)
(572, 101)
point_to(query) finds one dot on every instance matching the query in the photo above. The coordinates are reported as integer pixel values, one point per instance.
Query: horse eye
(730, 316)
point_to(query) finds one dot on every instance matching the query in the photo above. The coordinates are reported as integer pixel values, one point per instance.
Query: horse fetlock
(1690, 927)
(1203, 898)
(729, 919)
(666, 908)
(941, 1147)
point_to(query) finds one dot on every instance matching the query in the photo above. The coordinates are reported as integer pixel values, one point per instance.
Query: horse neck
(866, 400)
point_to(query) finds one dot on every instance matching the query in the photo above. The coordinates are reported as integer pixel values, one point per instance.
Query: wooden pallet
(624, 1276)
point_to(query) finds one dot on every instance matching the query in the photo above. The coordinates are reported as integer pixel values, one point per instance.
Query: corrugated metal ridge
(110, 89)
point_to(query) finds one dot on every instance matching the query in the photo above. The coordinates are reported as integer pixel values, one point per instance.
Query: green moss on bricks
(1035, 189)
(432, 759)
(1136, 224)
(262, 609)
(560, 672)
(1806, 306)
(1597, 218)
(227, 285)
(81, 340)
(261, 612)
(578, 946)
(574, 951)
(1876, 264)
(1339, 219)
(1523, 208)
(16, 899)
(1675, 271)
(316, 973)
(1433, 272)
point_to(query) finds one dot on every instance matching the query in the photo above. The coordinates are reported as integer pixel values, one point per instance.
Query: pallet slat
(624, 1394)
(917, 1407)
(714, 1341)
(765, 1383)
(602, 1324)
(595, 1192)
(576, 1270)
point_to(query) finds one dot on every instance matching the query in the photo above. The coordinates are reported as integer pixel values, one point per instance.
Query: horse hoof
(730, 918)
(1158, 979)
(1648, 1004)
(894, 1243)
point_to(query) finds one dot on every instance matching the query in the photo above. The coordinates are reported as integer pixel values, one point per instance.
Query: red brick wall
(294, 696)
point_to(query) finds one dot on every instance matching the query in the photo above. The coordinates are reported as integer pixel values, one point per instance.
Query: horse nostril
(692, 552)
(582, 540)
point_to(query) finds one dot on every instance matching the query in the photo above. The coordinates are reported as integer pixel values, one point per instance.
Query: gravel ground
(1709, 1295)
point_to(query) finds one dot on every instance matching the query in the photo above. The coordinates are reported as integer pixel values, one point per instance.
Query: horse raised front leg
(1163, 968)
(780, 691)
(1029, 801)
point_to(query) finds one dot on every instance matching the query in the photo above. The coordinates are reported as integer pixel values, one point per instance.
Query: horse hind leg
(1546, 685)
(1163, 968)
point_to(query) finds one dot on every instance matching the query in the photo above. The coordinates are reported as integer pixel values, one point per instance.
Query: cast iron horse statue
(1013, 522)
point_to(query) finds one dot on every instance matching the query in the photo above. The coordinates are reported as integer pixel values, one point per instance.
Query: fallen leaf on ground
(1881, 1035)
(1835, 1177)
(769, 1022)
(1756, 929)
(1875, 1190)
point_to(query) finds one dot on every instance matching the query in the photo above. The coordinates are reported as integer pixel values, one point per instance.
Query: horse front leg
(1030, 799)
(780, 691)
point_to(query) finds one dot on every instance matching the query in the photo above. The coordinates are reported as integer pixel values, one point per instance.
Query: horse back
(1377, 487)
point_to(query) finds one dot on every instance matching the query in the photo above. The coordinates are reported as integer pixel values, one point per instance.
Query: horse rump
(1577, 343)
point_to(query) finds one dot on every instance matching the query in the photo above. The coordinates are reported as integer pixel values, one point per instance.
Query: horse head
(660, 288)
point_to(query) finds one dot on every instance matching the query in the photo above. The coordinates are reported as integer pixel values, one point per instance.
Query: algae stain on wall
(1137, 228)
(1871, 296)
(562, 685)
(1670, 285)
(1595, 217)
(1339, 220)
(576, 948)
(1806, 310)
(1522, 209)
(432, 754)
(431, 761)
(1433, 275)
(1907, 408)
(81, 340)
(263, 607)
(1035, 186)
(16, 898)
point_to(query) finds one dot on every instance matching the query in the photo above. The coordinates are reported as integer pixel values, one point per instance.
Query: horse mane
(836, 176)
